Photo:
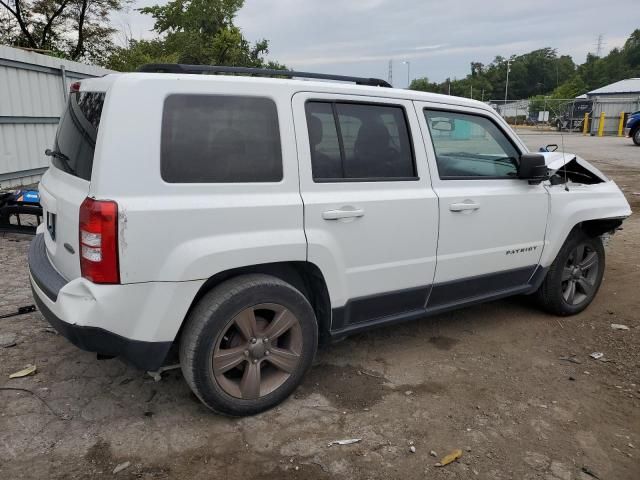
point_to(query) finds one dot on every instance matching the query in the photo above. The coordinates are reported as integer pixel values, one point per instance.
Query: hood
(572, 163)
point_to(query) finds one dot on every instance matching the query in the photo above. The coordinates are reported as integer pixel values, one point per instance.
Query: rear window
(220, 139)
(359, 142)
(77, 131)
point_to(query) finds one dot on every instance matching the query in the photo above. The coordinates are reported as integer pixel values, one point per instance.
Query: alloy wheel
(579, 274)
(257, 351)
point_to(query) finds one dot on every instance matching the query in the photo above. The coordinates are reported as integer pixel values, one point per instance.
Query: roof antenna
(564, 162)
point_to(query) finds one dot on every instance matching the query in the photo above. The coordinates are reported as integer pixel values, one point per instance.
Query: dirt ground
(489, 380)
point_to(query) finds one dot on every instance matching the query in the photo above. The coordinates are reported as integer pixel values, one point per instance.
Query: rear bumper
(627, 132)
(143, 355)
(137, 322)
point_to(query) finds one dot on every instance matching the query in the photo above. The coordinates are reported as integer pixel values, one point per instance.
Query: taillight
(99, 241)
(75, 87)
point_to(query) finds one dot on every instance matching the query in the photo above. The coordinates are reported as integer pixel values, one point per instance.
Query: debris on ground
(589, 472)
(412, 449)
(26, 390)
(619, 326)
(433, 453)
(571, 359)
(597, 355)
(28, 370)
(121, 467)
(21, 311)
(8, 340)
(452, 457)
(157, 375)
(348, 441)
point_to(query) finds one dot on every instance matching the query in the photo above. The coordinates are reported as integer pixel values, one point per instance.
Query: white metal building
(33, 91)
(614, 99)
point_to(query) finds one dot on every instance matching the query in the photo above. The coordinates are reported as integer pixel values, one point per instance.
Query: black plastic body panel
(365, 313)
(42, 272)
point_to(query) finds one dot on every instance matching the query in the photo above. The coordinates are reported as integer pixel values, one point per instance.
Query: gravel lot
(488, 380)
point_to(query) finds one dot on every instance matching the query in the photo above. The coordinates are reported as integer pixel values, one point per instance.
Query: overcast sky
(438, 38)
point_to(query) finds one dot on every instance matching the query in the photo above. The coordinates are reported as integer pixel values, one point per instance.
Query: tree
(199, 32)
(74, 29)
(424, 85)
(571, 88)
(631, 51)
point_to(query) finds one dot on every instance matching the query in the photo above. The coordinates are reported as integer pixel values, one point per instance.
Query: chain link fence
(605, 116)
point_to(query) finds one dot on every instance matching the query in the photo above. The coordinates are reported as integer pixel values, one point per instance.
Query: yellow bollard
(601, 124)
(585, 125)
(621, 125)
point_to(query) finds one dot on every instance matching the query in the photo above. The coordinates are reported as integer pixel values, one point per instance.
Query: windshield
(77, 131)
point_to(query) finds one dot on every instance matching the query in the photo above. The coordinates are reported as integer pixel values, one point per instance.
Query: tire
(636, 137)
(555, 294)
(224, 354)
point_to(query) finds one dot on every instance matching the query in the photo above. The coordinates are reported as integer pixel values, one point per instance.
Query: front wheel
(636, 137)
(575, 275)
(247, 344)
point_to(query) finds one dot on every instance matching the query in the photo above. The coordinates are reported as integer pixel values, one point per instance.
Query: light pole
(408, 64)
(506, 88)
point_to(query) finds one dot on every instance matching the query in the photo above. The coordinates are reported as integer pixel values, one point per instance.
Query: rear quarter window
(220, 139)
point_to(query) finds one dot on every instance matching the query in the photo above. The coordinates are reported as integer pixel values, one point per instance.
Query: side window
(220, 139)
(357, 141)
(470, 146)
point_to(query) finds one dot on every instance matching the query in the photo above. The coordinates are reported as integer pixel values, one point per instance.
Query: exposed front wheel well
(595, 228)
(304, 276)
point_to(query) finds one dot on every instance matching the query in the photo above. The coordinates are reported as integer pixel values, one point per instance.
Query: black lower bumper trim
(143, 355)
(42, 272)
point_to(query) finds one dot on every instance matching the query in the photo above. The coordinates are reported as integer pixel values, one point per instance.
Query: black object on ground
(21, 311)
(17, 204)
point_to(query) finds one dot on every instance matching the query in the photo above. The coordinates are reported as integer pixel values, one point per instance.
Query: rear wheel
(636, 137)
(247, 344)
(574, 277)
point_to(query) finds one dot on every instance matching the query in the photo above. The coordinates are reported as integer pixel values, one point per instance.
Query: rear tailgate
(66, 184)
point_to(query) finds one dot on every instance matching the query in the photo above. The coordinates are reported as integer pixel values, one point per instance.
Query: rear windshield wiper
(56, 154)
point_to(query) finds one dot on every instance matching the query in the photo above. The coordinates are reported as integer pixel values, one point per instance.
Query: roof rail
(182, 68)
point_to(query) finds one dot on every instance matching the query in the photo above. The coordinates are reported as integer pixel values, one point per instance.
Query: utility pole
(449, 84)
(482, 100)
(390, 75)
(471, 92)
(408, 64)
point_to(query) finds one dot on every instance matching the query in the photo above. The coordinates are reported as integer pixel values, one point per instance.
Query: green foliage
(572, 88)
(199, 32)
(543, 73)
(424, 85)
(73, 29)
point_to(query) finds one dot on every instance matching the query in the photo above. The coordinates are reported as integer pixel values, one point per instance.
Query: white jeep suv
(245, 219)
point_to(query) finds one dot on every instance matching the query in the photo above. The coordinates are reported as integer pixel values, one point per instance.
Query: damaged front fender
(573, 168)
(578, 193)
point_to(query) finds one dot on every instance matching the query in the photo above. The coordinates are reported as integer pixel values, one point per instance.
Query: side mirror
(533, 168)
(442, 125)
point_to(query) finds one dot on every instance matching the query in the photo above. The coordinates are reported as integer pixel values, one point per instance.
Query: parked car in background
(632, 127)
(243, 220)
(572, 117)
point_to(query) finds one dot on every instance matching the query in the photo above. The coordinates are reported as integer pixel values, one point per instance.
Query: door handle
(345, 212)
(464, 206)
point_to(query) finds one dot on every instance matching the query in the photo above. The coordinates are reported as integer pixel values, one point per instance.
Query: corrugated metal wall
(612, 106)
(32, 94)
